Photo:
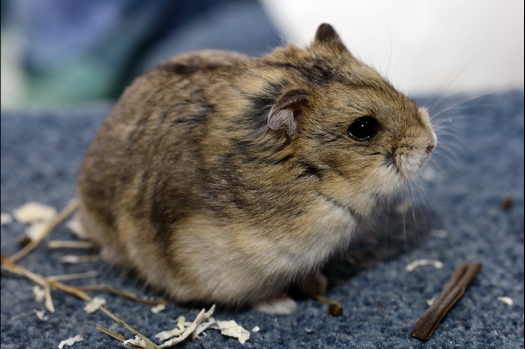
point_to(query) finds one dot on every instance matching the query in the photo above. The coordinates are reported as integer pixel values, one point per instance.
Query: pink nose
(429, 149)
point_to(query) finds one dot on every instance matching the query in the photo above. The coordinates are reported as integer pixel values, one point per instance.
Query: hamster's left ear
(327, 36)
(287, 112)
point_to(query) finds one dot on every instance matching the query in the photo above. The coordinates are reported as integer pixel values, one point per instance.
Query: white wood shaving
(203, 326)
(431, 301)
(175, 332)
(421, 262)
(506, 300)
(40, 314)
(232, 329)
(32, 212)
(72, 259)
(39, 293)
(308, 330)
(190, 330)
(157, 309)
(92, 305)
(70, 341)
(74, 225)
(136, 341)
(228, 328)
(36, 230)
(256, 329)
(70, 244)
(5, 218)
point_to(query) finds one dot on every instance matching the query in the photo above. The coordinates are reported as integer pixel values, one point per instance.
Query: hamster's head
(362, 137)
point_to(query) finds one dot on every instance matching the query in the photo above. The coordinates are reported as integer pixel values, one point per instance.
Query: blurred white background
(422, 46)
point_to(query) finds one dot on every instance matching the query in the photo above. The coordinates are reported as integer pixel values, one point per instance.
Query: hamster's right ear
(287, 112)
(326, 35)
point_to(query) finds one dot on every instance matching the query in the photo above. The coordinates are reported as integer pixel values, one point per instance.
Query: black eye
(363, 128)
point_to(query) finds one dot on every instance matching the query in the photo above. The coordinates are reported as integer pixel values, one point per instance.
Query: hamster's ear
(287, 112)
(326, 35)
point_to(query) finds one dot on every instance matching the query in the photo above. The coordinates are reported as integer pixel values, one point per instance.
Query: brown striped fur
(223, 178)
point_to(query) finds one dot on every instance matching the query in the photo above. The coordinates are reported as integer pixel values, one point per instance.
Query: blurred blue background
(63, 51)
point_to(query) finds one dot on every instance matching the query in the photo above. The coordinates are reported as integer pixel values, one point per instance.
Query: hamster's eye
(363, 128)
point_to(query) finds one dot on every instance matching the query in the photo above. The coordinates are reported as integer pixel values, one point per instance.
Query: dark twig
(454, 289)
(335, 308)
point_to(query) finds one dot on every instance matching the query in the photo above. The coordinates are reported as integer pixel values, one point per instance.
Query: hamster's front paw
(281, 304)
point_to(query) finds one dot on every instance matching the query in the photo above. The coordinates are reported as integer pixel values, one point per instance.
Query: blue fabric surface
(481, 162)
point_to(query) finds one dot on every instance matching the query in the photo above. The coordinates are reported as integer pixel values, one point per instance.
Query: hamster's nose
(429, 149)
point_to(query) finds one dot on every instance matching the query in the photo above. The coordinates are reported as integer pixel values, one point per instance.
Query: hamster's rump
(222, 178)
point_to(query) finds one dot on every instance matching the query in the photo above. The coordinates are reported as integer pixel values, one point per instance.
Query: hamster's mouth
(407, 165)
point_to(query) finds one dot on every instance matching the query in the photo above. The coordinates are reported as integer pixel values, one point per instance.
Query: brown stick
(335, 308)
(121, 293)
(454, 289)
(69, 209)
(11, 266)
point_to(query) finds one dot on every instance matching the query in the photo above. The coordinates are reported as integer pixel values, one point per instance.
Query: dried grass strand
(149, 344)
(66, 211)
(122, 294)
(11, 266)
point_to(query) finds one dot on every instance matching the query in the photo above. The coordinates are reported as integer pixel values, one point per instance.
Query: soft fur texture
(225, 179)
(41, 154)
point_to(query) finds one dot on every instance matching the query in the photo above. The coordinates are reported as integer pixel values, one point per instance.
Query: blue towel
(457, 217)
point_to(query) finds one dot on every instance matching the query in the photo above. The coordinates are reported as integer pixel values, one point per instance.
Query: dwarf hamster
(222, 178)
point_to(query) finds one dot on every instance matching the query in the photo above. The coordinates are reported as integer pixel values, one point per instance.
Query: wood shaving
(69, 209)
(232, 329)
(40, 314)
(32, 212)
(11, 266)
(49, 300)
(36, 231)
(228, 328)
(72, 259)
(149, 344)
(256, 329)
(431, 301)
(191, 329)
(88, 274)
(39, 293)
(74, 226)
(421, 262)
(70, 244)
(121, 293)
(506, 300)
(5, 218)
(183, 330)
(93, 305)
(165, 335)
(157, 309)
(70, 341)
(137, 342)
